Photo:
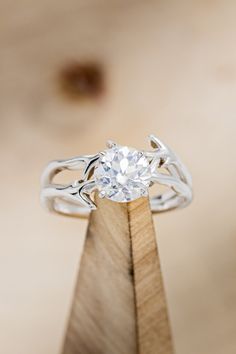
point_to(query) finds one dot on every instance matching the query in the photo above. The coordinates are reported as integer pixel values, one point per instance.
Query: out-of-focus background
(75, 73)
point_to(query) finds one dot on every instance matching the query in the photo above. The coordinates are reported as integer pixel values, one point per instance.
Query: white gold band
(76, 199)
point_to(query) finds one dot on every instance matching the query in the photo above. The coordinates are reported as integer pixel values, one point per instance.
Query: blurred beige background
(169, 68)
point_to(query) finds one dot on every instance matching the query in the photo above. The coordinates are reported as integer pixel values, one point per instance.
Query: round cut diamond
(122, 174)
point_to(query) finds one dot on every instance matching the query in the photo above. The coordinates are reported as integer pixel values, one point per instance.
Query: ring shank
(166, 201)
(160, 203)
(52, 199)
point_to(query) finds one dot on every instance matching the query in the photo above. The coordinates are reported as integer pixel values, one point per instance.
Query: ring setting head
(122, 174)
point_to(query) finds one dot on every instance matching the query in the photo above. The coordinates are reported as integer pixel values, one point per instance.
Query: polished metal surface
(76, 198)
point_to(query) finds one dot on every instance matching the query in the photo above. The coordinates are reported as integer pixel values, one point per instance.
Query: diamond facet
(122, 174)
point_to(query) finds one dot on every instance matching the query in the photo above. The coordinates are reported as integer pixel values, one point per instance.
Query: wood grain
(119, 304)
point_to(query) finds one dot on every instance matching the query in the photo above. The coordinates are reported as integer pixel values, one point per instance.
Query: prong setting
(102, 194)
(122, 174)
(111, 144)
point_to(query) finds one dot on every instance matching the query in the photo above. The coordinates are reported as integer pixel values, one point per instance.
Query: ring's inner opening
(67, 177)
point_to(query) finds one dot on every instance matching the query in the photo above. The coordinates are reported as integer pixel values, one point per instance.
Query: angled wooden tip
(119, 304)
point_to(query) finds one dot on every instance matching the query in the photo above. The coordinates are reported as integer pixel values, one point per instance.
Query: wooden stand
(119, 303)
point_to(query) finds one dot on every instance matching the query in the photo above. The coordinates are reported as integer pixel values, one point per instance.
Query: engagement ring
(121, 174)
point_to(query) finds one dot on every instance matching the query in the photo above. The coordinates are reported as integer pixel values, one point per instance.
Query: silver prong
(140, 154)
(102, 194)
(145, 193)
(110, 144)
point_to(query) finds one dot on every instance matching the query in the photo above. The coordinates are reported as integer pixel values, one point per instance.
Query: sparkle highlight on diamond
(122, 174)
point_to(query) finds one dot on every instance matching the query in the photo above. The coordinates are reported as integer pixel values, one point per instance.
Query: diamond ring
(121, 174)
